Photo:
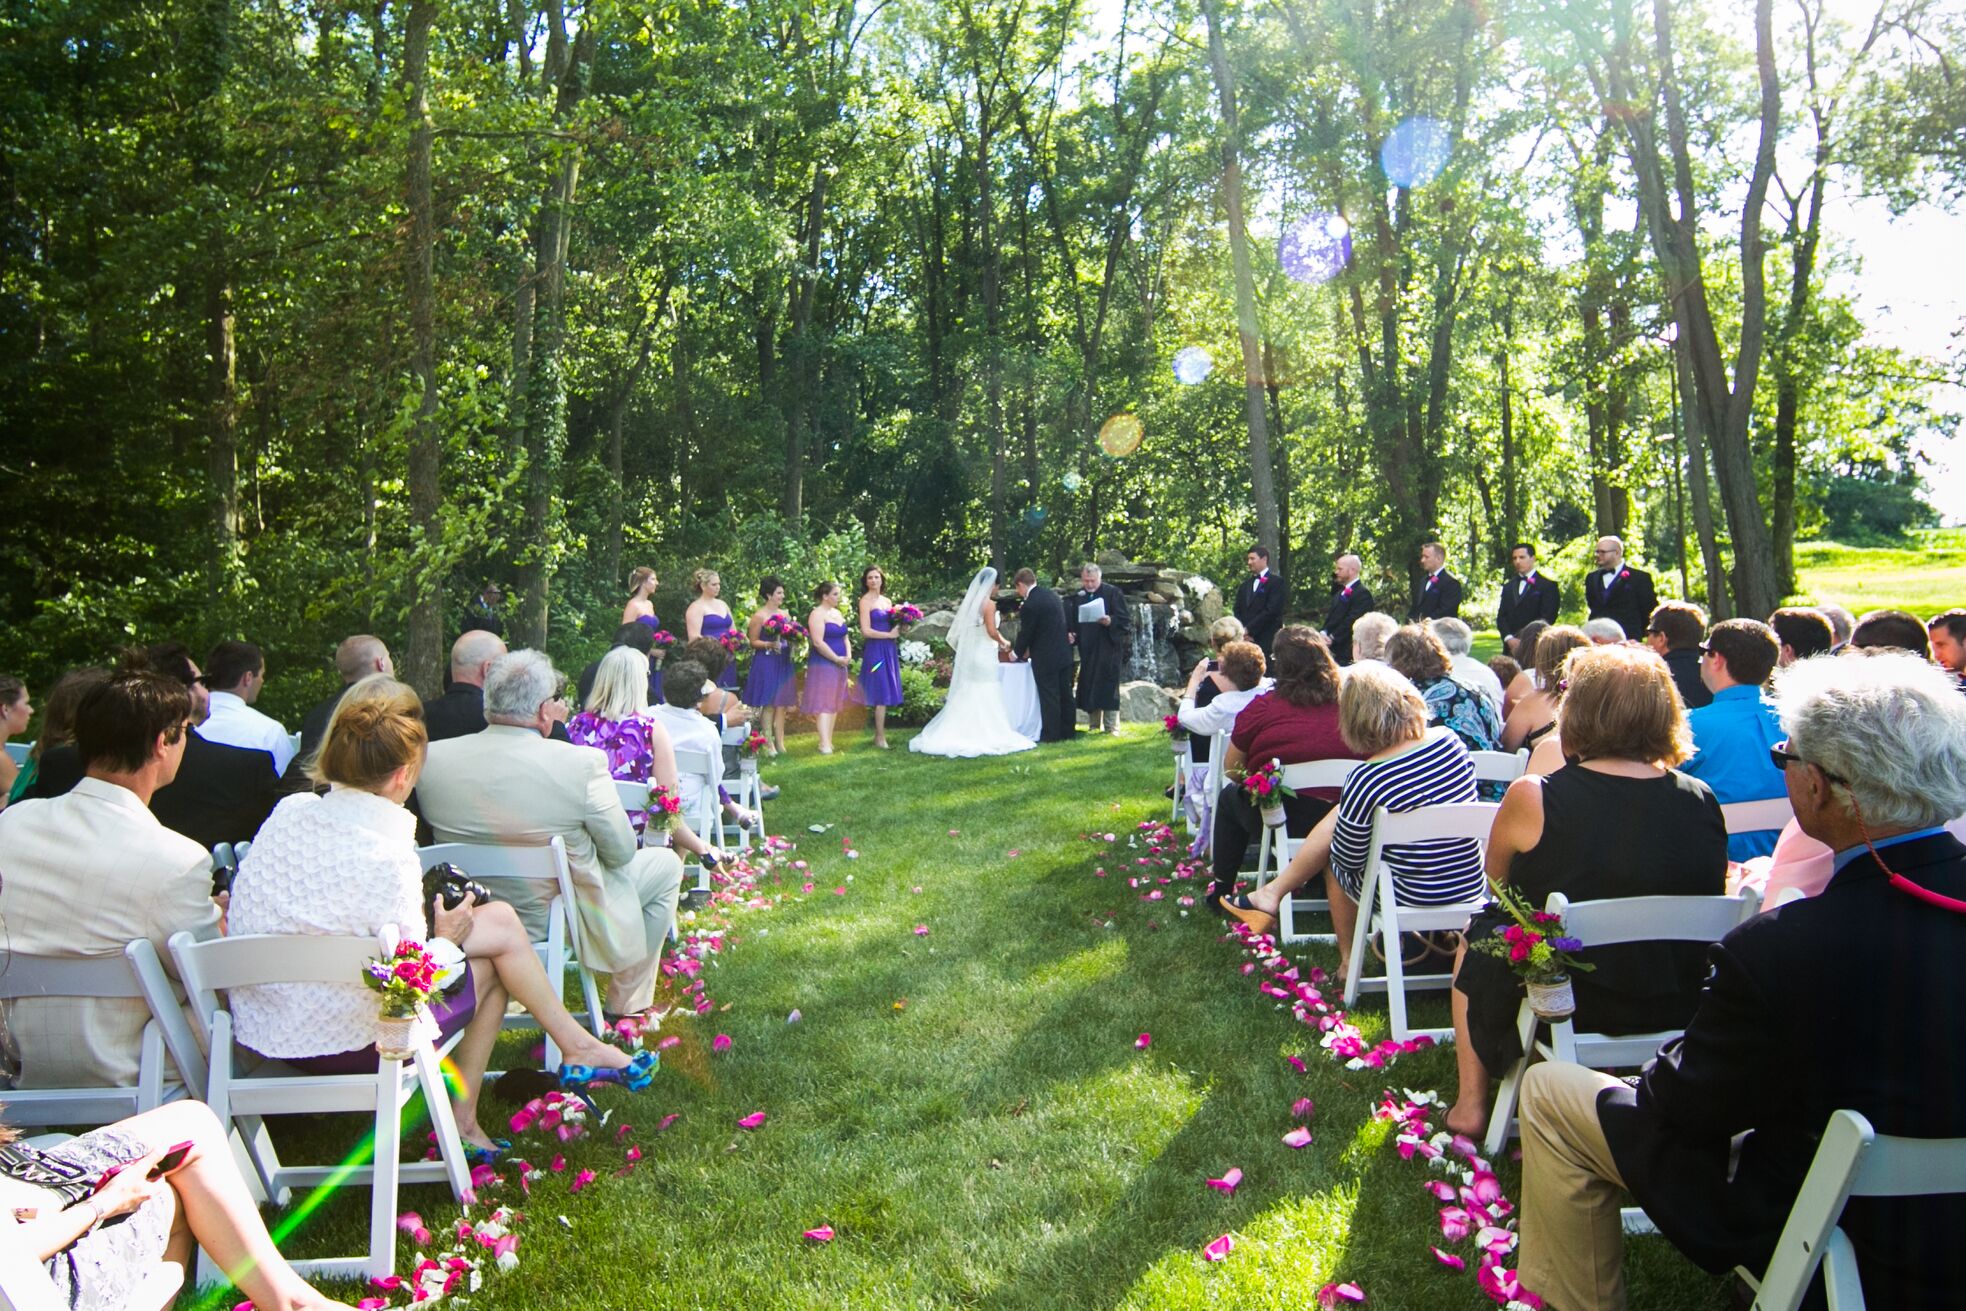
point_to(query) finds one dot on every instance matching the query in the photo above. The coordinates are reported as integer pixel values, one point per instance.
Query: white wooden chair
(563, 945)
(1276, 847)
(1380, 915)
(1500, 766)
(1603, 924)
(137, 973)
(1184, 763)
(749, 789)
(1756, 816)
(18, 752)
(1852, 1160)
(1218, 747)
(25, 1286)
(243, 1089)
(696, 777)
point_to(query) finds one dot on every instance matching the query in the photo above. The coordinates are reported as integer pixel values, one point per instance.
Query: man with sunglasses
(1732, 734)
(1846, 1000)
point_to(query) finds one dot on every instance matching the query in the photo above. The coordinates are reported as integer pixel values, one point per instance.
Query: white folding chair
(749, 791)
(1603, 924)
(1218, 747)
(25, 1286)
(1276, 847)
(563, 944)
(1381, 915)
(696, 777)
(18, 752)
(1852, 1160)
(1757, 816)
(1500, 766)
(243, 1091)
(137, 973)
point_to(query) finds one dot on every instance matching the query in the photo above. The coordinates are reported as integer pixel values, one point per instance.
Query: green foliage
(1867, 513)
(921, 699)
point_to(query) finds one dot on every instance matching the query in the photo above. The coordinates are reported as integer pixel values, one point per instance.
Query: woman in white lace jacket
(345, 863)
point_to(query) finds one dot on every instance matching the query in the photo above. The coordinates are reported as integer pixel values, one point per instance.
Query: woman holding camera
(345, 863)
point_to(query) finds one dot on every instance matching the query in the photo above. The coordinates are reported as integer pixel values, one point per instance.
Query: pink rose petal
(720, 1043)
(1219, 1249)
(1227, 1183)
(1487, 1188)
(1144, 1041)
(823, 1234)
(667, 1043)
(1333, 1294)
(752, 1121)
(1454, 1223)
(1302, 1108)
(1296, 1063)
(921, 930)
(1298, 1137)
(668, 1120)
(1448, 1259)
(581, 1180)
(1441, 1190)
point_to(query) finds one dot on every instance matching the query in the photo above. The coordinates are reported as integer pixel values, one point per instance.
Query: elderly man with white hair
(1847, 1000)
(1351, 599)
(1604, 632)
(1369, 636)
(512, 785)
(1463, 668)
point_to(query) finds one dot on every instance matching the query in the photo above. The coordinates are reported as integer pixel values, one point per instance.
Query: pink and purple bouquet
(731, 640)
(753, 743)
(1176, 730)
(665, 809)
(406, 980)
(782, 628)
(1266, 787)
(663, 639)
(1537, 946)
(905, 614)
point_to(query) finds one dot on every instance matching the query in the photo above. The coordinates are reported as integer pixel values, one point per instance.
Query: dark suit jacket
(1629, 600)
(61, 769)
(1515, 613)
(1685, 666)
(460, 711)
(1041, 631)
(1850, 999)
(1259, 605)
(314, 724)
(1438, 598)
(1346, 607)
(221, 793)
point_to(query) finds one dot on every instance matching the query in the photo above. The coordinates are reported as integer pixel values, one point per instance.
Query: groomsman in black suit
(1527, 596)
(1439, 596)
(1042, 638)
(1350, 598)
(1615, 590)
(1259, 601)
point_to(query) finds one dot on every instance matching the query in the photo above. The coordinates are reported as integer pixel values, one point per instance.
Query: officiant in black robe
(1102, 645)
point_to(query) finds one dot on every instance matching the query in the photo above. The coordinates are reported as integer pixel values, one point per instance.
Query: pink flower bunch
(1265, 785)
(663, 639)
(905, 614)
(1175, 728)
(665, 808)
(405, 979)
(782, 628)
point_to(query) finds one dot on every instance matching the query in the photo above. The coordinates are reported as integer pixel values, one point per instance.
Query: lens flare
(1035, 516)
(1316, 247)
(1192, 365)
(1072, 481)
(1120, 435)
(1416, 152)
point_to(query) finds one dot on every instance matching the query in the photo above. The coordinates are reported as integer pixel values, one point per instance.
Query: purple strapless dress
(880, 664)
(716, 626)
(771, 681)
(825, 681)
(655, 670)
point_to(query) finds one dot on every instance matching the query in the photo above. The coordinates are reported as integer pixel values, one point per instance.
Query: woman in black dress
(1616, 821)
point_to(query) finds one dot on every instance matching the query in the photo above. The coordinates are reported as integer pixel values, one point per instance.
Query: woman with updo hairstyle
(709, 616)
(1534, 716)
(829, 657)
(772, 687)
(345, 862)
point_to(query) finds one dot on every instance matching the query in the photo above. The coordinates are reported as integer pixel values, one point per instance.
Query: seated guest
(221, 793)
(1674, 634)
(641, 638)
(89, 872)
(1458, 639)
(235, 672)
(1803, 632)
(1369, 636)
(1732, 734)
(16, 713)
(1506, 670)
(1619, 822)
(1893, 629)
(460, 711)
(1947, 633)
(1525, 653)
(1417, 654)
(346, 863)
(510, 784)
(1407, 766)
(690, 687)
(1717, 1136)
(355, 659)
(96, 1250)
(1604, 632)
(54, 765)
(1212, 678)
(1534, 715)
(617, 720)
(1841, 624)
(1296, 720)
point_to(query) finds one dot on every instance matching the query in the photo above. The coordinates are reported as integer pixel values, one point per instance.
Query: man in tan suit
(87, 873)
(512, 785)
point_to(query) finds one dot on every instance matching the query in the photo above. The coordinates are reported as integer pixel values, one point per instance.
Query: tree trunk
(423, 661)
(1511, 518)
(1718, 605)
(1261, 485)
(221, 428)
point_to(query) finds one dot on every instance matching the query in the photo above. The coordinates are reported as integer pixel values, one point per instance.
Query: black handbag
(71, 1182)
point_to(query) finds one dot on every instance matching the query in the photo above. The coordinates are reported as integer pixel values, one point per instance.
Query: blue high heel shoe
(640, 1072)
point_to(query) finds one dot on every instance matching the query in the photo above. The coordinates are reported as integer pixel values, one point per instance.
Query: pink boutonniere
(1624, 573)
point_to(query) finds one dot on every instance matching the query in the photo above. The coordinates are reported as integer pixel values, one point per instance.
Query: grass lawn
(1924, 577)
(967, 1108)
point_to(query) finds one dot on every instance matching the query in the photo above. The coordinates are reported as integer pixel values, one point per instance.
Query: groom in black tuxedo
(1041, 639)
(1259, 601)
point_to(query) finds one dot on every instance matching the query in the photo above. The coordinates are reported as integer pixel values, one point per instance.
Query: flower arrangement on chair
(1539, 951)
(665, 810)
(1177, 732)
(1266, 789)
(407, 978)
(748, 750)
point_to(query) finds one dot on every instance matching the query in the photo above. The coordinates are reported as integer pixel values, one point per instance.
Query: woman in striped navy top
(1407, 766)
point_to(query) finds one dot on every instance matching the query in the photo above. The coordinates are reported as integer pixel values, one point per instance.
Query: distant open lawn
(1924, 577)
(967, 1108)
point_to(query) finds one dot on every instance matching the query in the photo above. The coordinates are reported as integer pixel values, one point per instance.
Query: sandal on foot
(1239, 908)
(476, 1154)
(635, 1076)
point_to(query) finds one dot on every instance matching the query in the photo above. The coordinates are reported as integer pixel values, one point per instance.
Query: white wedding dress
(973, 721)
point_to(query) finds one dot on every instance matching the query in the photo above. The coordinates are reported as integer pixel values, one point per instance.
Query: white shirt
(691, 730)
(1219, 715)
(1477, 677)
(236, 724)
(342, 863)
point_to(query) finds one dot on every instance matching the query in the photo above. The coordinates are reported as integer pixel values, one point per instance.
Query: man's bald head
(1348, 567)
(472, 654)
(361, 655)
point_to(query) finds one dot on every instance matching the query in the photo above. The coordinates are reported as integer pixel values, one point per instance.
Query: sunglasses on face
(1783, 758)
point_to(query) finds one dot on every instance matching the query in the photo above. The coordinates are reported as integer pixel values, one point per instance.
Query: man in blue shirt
(1732, 735)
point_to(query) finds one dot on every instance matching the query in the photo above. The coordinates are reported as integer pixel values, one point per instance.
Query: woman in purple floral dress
(616, 720)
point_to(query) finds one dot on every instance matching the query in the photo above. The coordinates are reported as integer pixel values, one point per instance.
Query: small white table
(1020, 697)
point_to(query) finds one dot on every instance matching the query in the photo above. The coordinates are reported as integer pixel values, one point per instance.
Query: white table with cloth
(1020, 697)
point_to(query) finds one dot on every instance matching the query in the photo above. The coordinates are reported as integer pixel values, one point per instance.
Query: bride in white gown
(973, 721)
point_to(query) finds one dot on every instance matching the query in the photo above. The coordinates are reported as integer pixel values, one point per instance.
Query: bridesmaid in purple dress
(827, 663)
(772, 686)
(641, 610)
(880, 652)
(708, 616)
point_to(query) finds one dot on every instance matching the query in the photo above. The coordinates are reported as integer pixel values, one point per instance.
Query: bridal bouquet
(1539, 951)
(1266, 788)
(905, 614)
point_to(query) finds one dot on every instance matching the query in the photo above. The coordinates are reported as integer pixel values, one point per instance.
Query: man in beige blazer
(87, 873)
(512, 785)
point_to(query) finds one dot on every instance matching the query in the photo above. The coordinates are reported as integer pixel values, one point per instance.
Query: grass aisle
(967, 1108)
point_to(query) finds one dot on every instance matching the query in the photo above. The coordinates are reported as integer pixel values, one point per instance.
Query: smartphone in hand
(169, 1161)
